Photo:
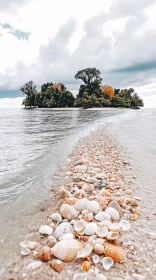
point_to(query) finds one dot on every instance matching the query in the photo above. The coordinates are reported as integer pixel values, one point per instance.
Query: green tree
(66, 99)
(29, 89)
(136, 101)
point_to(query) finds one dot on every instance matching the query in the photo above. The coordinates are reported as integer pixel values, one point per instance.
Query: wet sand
(101, 153)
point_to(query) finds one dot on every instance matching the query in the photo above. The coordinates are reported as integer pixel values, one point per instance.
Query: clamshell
(68, 212)
(113, 213)
(107, 263)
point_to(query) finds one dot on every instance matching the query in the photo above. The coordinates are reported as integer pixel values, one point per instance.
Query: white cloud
(11, 102)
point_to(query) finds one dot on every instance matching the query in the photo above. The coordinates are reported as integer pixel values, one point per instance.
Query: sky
(51, 40)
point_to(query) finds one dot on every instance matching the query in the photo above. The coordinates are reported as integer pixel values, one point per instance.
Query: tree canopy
(91, 94)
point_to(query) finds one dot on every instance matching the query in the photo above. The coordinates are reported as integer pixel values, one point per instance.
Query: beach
(105, 155)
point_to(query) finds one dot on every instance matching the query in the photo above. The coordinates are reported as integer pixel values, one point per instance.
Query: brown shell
(44, 255)
(86, 266)
(114, 252)
(57, 265)
(70, 200)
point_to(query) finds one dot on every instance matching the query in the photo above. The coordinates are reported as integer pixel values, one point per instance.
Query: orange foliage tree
(108, 90)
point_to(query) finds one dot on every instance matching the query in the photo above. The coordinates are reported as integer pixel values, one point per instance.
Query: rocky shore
(89, 230)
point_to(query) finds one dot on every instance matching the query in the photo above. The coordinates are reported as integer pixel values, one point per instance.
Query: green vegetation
(91, 94)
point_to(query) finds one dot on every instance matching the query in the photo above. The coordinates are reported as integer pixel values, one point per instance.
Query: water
(33, 144)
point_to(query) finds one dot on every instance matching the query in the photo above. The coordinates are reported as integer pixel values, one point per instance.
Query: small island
(91, 94)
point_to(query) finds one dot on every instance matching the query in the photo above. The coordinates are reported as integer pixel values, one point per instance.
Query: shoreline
(79, 109)
(85, 147)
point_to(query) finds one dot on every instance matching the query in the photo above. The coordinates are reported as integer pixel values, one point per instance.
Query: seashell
(102, 216)
(112, 235)
(114, 204)
(80, 194)
(24, 244)
(99, 241)
(104, 224)
(91, 180)
(115, 252)
(80, 168)
(68, 212)
(79, 226)
(125, 225)
(44, 255)
(84, 253)
(86, 266)
(25, 252)
(102, 231)
(93, 206)
(133, 217)
(137, 212)
(70, 200)
(63, 192)
(133, 202)
(56, 217)
(34, 265)
(90, 228)
(80, 277)
(100, 277)
(126, 241)
(57, 265)
(81, 204)
(52, 241)
(107, 263)
(87, 216)
(62, 229)
(84, 238)
(47, 230)
(113, 213)
(32, 245)
(89, 188)
(95, 259)
(67, 236)
(115, 227)
(98, 249)
(66, 250)
(91, 240)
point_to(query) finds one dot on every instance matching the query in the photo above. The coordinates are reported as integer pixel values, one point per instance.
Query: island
(91, 94)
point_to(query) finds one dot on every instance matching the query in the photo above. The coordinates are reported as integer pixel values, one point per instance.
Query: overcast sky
(51, 40)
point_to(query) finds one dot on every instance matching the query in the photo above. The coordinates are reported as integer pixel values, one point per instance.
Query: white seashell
(98, 249)
(45, 230)
(67, 236)
(102, 216)
(81, 168)
(93, 206)
(79, 226)
(91, 180)
(84, 253)
(62, 229)
(113, 213)
(116, 227)
(112, 235)
(91, 240)
(80, 277)
(66, 250)
(100, 277)
(34, 265)
(81, 204)
(68, 212)
(95, 259)
(24, 244)
(99, 241)
(102, 231)
(52, 240)
(89, 188)
(25, 252)
(107, 263)
(56, 217)
(87, 216)
(125, 225)
(104, 224)
(32, 245)
(90, 228)
(126, 241)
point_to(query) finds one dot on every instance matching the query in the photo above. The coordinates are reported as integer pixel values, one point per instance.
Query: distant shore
(77, 109)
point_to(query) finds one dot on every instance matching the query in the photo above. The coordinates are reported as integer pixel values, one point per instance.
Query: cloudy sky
(51, 40)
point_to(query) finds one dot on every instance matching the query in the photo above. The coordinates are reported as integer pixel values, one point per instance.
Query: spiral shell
(44, 255)
(62, 229)
(68, 212)
(66, 250)
(114, 252)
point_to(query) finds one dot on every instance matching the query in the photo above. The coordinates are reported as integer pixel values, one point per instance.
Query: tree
(136, 101)
(66, 99)
(117, 101)
(108, 90)
(29, 89)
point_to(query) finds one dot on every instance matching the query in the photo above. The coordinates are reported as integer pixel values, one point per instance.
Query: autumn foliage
(108, 90)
